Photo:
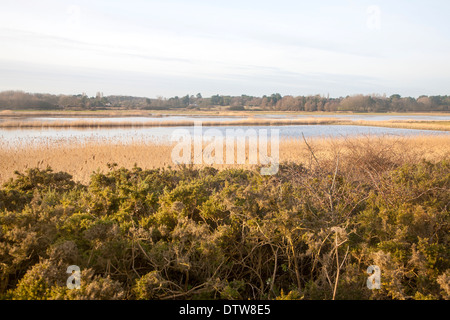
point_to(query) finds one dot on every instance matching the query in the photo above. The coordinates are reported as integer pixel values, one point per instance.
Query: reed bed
(441, 125)
(101, 113)
(133, 124)
(82, 158)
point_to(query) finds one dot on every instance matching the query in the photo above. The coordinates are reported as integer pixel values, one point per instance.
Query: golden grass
(440, 125)
(87, 113)
(80, 159)
(133, 124)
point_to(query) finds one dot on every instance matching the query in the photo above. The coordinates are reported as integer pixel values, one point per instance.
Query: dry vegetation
(308, 232)
(81, 159)
(407, 124)
(440, 125)
(87, 113)
(133, 124)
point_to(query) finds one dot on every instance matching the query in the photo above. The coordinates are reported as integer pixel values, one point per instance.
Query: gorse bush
(305, 233)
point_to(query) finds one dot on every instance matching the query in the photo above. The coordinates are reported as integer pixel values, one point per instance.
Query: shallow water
(28, 137)
(369, 117)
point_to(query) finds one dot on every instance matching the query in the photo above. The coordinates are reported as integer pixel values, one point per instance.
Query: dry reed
(441, 125)
(133, 124)
(80, 159)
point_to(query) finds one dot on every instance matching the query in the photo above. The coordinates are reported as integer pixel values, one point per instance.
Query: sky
(173, 48)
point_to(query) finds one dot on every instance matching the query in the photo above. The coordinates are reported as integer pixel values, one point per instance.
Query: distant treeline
(19, 100)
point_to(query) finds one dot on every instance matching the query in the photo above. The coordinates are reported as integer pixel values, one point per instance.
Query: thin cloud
(294, 47)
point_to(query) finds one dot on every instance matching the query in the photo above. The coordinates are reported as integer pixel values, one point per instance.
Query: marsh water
(368, 117)
(163, 134)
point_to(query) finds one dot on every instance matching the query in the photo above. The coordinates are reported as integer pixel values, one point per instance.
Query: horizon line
(328, 96)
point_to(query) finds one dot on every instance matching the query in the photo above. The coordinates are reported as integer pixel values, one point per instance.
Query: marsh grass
(82, 158)
(81, 124)
(440, 125)
(87, 113)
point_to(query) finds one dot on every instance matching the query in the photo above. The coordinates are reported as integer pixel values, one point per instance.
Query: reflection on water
(27, 137)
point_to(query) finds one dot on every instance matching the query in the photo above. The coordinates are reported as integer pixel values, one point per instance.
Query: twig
(310, 149)
(332, 184)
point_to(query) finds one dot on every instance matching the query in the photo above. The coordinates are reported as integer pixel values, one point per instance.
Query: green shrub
(230, 234)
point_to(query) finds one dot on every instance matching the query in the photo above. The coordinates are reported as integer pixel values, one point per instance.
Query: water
(368, 117)
(29, 137)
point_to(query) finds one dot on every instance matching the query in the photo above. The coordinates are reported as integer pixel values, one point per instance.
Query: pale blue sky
(168, 48)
